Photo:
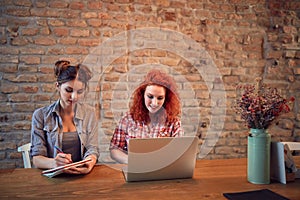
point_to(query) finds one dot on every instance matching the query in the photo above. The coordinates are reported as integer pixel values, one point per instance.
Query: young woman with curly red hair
(154, 112)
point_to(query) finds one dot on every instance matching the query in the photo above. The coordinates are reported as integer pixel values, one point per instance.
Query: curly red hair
(172, 105)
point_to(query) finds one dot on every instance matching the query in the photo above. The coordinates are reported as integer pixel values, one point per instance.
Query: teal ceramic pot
(258, 162)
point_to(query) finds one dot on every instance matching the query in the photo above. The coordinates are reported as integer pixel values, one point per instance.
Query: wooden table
(211, 179)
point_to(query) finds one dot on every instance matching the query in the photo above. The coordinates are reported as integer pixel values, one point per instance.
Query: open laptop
(161, 158)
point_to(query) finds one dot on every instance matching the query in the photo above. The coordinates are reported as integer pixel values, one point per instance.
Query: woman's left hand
(84, 169)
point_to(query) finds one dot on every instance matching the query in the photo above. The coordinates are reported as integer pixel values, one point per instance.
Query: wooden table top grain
(211, 179)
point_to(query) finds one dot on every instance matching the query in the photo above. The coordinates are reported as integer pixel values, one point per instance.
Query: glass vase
(258, 162)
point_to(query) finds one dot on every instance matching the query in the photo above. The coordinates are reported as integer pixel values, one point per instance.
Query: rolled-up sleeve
(44, 131)
(38, 140)
(86, 124)
(92, 145)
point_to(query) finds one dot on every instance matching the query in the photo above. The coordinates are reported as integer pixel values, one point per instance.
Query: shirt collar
(55, 108)
(79, 110)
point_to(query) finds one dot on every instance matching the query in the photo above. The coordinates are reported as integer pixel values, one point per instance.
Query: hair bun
(84, 73)
(60, 66)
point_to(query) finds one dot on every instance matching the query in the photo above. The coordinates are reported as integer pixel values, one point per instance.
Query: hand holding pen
(62, 158)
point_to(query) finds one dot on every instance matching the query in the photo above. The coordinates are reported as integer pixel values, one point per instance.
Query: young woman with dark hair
(67, 130)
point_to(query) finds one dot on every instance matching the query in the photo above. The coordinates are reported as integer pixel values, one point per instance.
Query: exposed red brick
(241, 39)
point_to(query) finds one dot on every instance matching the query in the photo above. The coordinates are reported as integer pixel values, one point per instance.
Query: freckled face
(70, 92)
(154, 97)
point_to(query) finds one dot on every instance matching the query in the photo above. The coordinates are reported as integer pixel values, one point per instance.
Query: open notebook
(161, 158)
(59, 170)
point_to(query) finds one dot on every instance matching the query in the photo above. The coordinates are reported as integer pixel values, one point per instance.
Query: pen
(58, 149)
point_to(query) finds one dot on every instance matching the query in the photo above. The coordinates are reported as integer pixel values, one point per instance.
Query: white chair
(279, 158)
(293, 145)
(25, 154)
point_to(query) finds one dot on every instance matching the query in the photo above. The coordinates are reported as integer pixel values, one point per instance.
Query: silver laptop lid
(161, 158)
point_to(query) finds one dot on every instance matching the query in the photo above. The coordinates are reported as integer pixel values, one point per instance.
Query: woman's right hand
(62, 159)
(44, 162)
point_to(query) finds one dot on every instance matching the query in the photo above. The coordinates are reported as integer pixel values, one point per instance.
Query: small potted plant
(259, 105)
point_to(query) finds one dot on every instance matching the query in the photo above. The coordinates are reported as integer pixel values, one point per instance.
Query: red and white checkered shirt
(128, 128)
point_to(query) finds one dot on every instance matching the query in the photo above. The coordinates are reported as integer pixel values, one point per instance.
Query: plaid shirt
(128, 128)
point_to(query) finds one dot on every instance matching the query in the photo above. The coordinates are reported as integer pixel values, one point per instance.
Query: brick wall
(208, 46)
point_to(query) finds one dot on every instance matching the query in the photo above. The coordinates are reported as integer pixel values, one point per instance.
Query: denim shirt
(47, 130)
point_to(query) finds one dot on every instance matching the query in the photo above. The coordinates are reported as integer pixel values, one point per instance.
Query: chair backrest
(25, 154)
(293, 145)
